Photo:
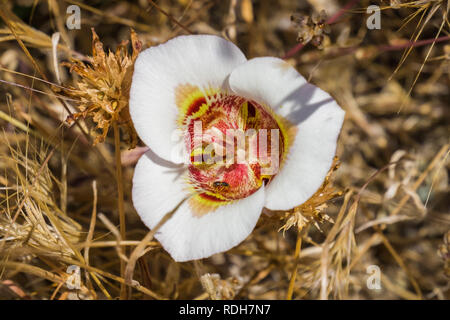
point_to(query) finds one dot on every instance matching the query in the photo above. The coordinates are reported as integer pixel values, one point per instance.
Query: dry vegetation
(386, 204)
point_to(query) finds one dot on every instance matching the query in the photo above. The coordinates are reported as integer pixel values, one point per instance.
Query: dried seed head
(312, 210)
(104, 87)
(311, 29)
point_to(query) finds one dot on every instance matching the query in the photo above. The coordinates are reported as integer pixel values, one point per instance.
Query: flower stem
(120, 203)
(298, 246)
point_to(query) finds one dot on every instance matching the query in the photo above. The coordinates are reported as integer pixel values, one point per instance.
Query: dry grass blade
(66, 204)
(140, 250)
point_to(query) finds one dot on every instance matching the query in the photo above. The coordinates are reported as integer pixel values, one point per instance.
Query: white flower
(207, 80)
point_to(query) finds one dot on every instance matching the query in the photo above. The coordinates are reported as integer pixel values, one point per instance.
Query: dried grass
(386, 205)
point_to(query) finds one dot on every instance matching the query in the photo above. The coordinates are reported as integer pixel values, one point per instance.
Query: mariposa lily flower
(206, 82)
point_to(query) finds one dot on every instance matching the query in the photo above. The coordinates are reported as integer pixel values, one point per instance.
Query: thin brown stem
(298, 246)
(120, 204)
(178, 23)
(139, 251)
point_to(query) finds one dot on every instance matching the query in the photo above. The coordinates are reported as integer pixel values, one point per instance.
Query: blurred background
(383, 232)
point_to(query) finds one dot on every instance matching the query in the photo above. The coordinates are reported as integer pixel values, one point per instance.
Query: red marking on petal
(256, 168)
(236, 175)
(195, 106)
(221, 181)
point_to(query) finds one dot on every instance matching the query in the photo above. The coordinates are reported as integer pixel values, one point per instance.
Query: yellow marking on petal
(254, 121)
(216, 195)
(207, 158)
(243, 115)
(288, 130)
(201, 206)
(186, 95)
(203, 108)
(197, 152)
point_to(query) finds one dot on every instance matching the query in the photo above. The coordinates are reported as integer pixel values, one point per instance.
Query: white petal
(157, 189)
(316, 114)
(201, 60)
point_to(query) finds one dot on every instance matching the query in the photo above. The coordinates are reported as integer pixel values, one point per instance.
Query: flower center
(235, 145)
